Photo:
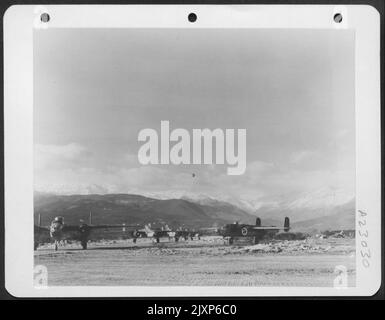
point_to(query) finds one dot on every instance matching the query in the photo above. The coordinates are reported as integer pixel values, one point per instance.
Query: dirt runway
(208, 263)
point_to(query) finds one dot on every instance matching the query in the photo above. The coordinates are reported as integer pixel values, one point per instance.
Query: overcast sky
(292, 90)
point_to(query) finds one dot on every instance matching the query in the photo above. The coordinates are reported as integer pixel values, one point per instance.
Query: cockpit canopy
(59, 219)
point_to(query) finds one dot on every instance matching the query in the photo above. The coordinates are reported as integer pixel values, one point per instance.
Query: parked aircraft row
(59, 231)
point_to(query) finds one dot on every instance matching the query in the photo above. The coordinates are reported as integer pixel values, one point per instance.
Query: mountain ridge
(139, 209)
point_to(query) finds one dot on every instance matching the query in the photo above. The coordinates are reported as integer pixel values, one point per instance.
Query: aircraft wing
(268, 228)
(68, 228)
(41, 229)
(41, 235)
(208, 229)
(112, 226)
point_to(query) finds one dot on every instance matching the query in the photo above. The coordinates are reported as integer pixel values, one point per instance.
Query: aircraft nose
(54, 233)
(55, 230)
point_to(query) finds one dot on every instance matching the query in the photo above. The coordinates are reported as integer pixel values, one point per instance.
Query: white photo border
(19, 23)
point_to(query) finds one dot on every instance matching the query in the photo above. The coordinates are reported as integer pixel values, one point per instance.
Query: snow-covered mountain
(199, 211)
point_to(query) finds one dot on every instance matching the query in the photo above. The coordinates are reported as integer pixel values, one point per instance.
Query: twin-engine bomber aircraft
(256, 231)
(58, 231)
(164, 232)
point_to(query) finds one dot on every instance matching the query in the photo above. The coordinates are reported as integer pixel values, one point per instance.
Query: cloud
(300, 156)
(322, 197)
(52, 155)
(68, 151)
(85, 180)
(69, 169)
(256, 168)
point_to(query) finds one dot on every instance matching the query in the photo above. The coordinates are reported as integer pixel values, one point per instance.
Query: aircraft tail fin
(286, 225)
(258, 222)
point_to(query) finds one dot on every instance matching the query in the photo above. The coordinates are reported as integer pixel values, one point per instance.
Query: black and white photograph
(192, 151)
(175, 158)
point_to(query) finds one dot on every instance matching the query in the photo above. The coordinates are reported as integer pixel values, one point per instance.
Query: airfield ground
(206, 262)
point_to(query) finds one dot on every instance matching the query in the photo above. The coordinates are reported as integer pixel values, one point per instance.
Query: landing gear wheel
(84, 244)
(134, 240)
(157, 240)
